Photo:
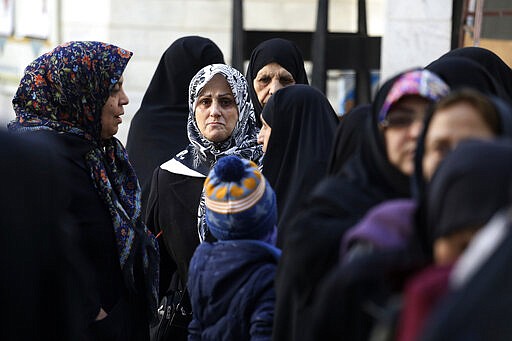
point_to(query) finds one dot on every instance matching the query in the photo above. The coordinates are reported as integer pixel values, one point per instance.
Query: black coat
(312, 247)
(348, 137)
(362, 296)
(40, 290)
(303, 125)
(97, 243)
(459, 72)
(172, 209)
(490, 61)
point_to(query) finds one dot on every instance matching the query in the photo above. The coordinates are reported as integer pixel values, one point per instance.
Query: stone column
(415, 33)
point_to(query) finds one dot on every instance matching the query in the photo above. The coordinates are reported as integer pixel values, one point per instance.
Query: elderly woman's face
(269, 79)
(216, 111)
(113, 110)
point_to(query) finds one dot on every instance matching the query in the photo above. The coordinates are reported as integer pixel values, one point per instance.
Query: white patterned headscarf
(202, 154)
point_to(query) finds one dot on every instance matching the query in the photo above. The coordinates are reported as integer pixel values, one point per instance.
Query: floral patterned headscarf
(65, 90)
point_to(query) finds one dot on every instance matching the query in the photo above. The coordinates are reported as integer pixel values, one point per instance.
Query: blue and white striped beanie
(240, 203)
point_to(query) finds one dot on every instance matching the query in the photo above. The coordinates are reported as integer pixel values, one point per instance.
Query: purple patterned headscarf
(418, 82)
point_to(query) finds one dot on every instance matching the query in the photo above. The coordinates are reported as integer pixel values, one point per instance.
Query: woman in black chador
(297, 134)
(378, 170)
(274, 64)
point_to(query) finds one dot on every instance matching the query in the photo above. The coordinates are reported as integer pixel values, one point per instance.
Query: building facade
(414, 32)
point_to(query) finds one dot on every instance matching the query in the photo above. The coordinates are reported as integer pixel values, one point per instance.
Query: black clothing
(127, 319)
(467, 188)
(481, 309)
(174, 203)
(172, 210)
(459, 72)
(276, 50)
(311, 248)
(490, 61)
(94, 222)
(303, 124)
(40, 290)
(348, 137)
(360, 295)
(158, 129)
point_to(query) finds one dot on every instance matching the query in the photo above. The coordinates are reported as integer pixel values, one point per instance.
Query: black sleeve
(167, 265)
(151, 209)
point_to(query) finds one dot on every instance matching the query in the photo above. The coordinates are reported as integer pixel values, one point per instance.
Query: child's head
(240, 203)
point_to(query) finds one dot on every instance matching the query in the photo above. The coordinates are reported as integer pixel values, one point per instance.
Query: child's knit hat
(240, 203)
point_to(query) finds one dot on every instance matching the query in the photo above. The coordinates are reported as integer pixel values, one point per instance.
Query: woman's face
(404, 125)
(447, 128)
(216, 111)
(113, 110)
(264, 134)
(269, 79)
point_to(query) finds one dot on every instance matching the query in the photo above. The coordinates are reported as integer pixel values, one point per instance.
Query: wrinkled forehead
(277, 51)
(273, 69)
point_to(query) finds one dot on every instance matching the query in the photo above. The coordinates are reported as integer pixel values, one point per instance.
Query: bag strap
(182, 306)
(177, 285)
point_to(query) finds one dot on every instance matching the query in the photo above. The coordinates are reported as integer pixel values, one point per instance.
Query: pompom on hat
(240, 203)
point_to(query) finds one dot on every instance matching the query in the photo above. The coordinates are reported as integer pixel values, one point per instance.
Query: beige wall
(502, 48)
(415, 32)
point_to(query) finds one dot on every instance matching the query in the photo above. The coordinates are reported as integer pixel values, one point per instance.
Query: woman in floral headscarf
(74, 97)
(221, 122)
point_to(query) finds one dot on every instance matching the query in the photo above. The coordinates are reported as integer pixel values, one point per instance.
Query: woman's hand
(101, 315)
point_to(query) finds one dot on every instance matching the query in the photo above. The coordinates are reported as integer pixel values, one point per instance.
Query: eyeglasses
(401, 118)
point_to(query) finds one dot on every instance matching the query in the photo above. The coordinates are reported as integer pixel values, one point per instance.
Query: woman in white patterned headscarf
(203, 151)
(221, 122)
